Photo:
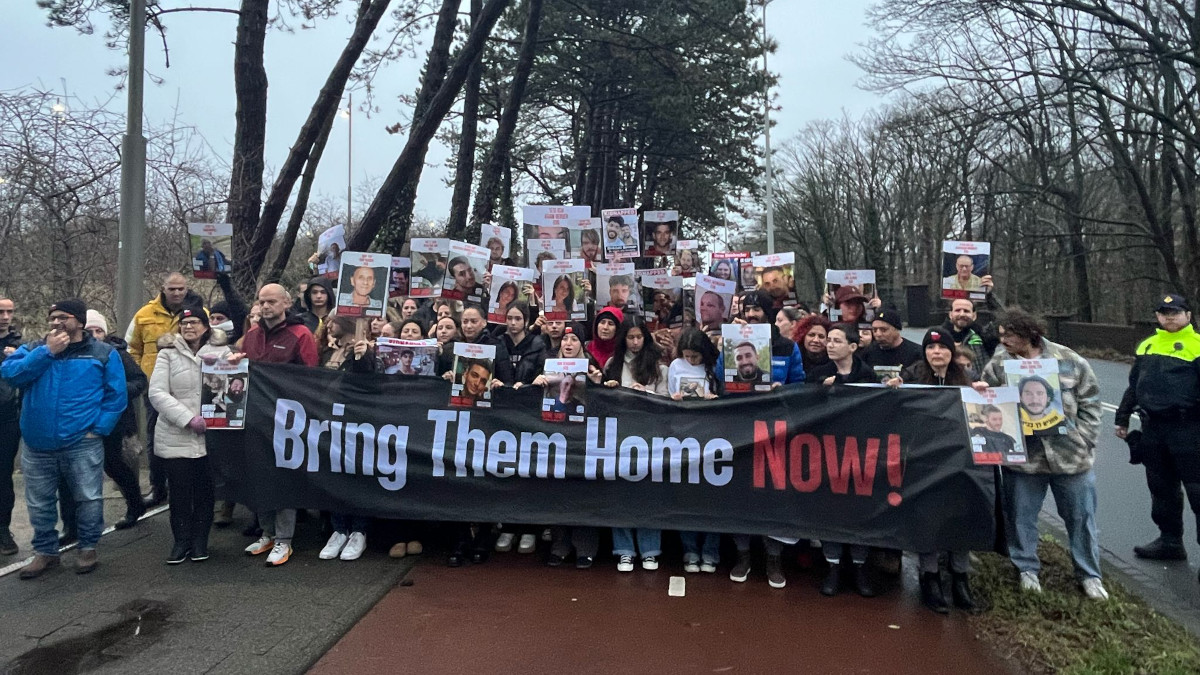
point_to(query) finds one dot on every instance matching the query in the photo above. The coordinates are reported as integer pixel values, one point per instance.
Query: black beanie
(939, 336)
(190, 311)
(222, 308)
(890, 315)
(73, 306)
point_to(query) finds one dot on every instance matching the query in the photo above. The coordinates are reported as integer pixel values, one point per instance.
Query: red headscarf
(603, 350)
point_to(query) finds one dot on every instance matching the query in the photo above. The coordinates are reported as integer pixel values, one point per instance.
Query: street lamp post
(767, 137)
(348, 114)
(131, 254)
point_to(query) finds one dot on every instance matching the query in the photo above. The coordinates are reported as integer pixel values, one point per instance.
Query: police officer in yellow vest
(1164, 385)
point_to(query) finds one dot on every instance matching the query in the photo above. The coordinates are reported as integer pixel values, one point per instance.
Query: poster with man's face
(727, 265)
(550, 222)
(509, 284)
(620, 233)
(541, 250)
(563, 293)
(496, 240)
(964, 266)
(363, 284)
(687, 258)
(212, 249)
(1039, 395)
(330, 245)
(223, 393)
(714, 299)
(775, 273)
(848, 294)
(472, 375)
(660, 294)
(617, 286)
(429, 256)
(465, 268)
(406, 357)
(994, 426)
(662, 232)
(746, 356)
(564, 397)
(585, 241)
(401, 276)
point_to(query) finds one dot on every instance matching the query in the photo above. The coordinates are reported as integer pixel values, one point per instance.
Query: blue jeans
(1075, 498)
(81, 467)
(649, 542)
(348, 524)
(701, 547)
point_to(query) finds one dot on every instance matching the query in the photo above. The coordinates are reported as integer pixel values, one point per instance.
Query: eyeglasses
(192, 323)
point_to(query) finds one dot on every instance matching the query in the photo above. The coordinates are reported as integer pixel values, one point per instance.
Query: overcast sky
(816, 81)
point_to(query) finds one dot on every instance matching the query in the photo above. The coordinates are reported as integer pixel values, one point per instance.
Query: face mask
(226, 326)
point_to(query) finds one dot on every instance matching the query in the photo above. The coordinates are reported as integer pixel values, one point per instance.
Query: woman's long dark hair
(644, 366)
(698, 341)
(569, 301)
(956, 376)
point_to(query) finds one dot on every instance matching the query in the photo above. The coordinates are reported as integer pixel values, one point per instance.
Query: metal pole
(767, 137)
(131, 254)
(349, 156)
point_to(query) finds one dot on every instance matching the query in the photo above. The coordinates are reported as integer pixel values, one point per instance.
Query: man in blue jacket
(73, 395)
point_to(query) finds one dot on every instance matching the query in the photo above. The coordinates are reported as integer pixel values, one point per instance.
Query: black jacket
(10, 397)
(232, 307)
(136, 385)
(527, 358)
(860, 373)
(1165, 378)
(312, 321)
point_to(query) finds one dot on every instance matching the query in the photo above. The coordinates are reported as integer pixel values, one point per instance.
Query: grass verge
(1061, 631)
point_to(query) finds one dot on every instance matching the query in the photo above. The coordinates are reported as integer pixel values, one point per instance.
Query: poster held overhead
(465, 270)
(541, 250)
(212, 249)
(509, 284)
(620, 233)
(429, 257)
(563, 295)
(746, 356)
(994, 425)
(964, 266)
(565, 395)
(714, 299)
(662, 232)
(363, 284)
(473, 368)
(401, 276)
(727, 265)
(330, 245)
(616, 286)
(849, 294)
(775, 273)
(550, 222)
(497, 240)
(584, 239)
(660, 295)
(223, 393)
(687, 258)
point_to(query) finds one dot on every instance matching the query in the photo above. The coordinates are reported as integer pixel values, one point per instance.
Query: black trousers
(191, 499)
(1171, 455)
(158, 473)
(10, 438)
(117, 469)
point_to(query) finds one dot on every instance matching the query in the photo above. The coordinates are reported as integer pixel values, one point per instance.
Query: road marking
(1108, 407)
(13, 567)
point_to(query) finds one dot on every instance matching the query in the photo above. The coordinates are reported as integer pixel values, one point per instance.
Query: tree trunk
(489, 182)
(411, 157)
(297, 215)
(399, 219)
(249, 137)
(464, 168)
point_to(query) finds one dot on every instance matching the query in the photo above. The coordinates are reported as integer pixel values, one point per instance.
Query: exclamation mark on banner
(895, 472)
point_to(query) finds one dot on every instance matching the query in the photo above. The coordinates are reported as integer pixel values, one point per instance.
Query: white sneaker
(1030, 583)
(528, 544)
(691, 567)
(355, 545)
(1094, 589)
(649, 563)
(625, 563)
(333, 547)
(547, 535)
(263, 545)
(708, 568)
(504, 542)
(280, 554)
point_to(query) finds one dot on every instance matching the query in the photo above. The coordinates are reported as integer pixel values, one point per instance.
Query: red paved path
(515, 615)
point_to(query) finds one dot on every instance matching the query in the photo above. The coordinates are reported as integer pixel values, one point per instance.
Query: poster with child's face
(662, 232)
(714, 298)
(563, 293)
(212, 249)
(1039, 395)
(509, 284)
(473, 368)
(550, 222)
(775, 273)
(428, 266)
(620, 233)
(363, 284)
(616, 286)
(746, 355)
(496, 240)
(965, 268)
(849, 293)
(564, 399)
(994, 426)
(401, 274)
(465, 270)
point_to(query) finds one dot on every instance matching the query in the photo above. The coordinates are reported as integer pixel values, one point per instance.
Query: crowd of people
(69, 395)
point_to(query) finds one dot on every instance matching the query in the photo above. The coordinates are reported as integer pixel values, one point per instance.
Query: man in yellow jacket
(155, 319)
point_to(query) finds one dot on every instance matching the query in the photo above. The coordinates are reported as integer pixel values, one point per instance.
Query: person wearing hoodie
(115, 465)
(603, 344)
(787, 364)
(154, 320)
(229, 315)
(175, 390)
(318, 302)
(526, 350)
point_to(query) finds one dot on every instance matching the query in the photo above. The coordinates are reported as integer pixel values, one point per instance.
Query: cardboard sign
(687, 258)
(994, 425)
(714, 300)
(620, 233)
(330, 245)
(563, 295)
(223, 393)
(497, 240)
(401, 277)
(473, 368)
(727, 265)
(746, 356)
(617, 286)
(429, 258)
(406, 357)
(465, 270)
(565, 395)
(662, 232)
(849, 293)
(212, 249)
(964, 265)
(1039, 395)
(509, 284)
(363, 284)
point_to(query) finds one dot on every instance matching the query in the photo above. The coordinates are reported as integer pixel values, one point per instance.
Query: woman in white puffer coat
(175, 388)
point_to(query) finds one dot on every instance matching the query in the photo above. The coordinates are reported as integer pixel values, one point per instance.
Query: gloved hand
(197, 425)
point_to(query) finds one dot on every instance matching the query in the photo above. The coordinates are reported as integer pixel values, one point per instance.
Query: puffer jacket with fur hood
(175, 393)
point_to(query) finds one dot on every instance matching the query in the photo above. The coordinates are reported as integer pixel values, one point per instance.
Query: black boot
(931, 592)
(158, 495)
(960, 587)
(179, 553)
(862, 581)
(69, 536)
(1161, 549)
(132, 513)
(833, 580)
(199, 549)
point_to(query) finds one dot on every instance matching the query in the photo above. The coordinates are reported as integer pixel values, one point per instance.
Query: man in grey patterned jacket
(1061, 462)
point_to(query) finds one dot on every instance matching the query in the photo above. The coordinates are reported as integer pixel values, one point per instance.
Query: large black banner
(875, 466)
